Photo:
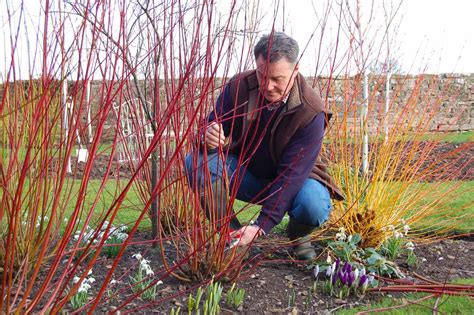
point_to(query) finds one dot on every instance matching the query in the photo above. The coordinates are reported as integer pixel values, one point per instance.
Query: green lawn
(453, 137)
(446, 304)
(132, 206)
(461, 205)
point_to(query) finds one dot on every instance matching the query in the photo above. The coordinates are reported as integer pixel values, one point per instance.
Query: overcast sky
(430, 36)
(435, 36)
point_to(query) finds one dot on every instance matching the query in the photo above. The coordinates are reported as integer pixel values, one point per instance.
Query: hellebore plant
(344, 279)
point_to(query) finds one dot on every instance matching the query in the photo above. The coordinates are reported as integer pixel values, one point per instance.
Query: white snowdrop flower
(362, 271)
(75, 279)
(406, 228)
(138, 256)
(113, 281)
(149, 272)
(341, 235)
(90, 272)
(159, 282)
(122, 236)
(84, 287)
(410, 246)
(81, 289)
(349, 238)
(45, 218)
(123, 228)
(75, 237)
(65, 220)
(90, 280)
(397, 235)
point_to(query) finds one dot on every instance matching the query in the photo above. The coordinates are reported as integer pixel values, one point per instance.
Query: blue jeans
(311, 206)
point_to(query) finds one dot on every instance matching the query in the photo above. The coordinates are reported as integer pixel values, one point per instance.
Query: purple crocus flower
(350, 278)
(362, 280)
(338, 262)
(348, 268)
(345, 278)
(346, 265)
(341, 276)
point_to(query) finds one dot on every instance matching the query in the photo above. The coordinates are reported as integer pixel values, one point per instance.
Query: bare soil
(271, 279)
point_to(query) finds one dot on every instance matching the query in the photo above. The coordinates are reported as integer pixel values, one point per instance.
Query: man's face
(276, 78)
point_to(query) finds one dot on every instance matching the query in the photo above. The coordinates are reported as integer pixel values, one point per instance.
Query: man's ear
(296, 69)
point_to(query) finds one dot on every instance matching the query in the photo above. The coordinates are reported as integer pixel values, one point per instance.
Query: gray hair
(275, 46)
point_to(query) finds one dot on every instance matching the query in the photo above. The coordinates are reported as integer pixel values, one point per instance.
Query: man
(274, 124)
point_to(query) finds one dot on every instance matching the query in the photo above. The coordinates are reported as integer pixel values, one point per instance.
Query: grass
(451, 137)
(446, 304)
(462, 202)
(129, 211)
(460, 205)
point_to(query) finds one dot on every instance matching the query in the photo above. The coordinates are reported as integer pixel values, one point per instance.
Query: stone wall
(446, 101)
(449, 97)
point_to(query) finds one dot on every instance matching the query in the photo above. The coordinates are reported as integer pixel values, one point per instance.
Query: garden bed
(271, 280)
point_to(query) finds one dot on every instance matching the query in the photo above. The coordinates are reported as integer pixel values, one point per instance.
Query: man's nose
(270, 85)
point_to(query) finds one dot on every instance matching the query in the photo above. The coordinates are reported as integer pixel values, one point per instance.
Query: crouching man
(268, 127)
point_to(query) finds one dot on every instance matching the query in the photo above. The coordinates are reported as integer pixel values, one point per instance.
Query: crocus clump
(344, 279)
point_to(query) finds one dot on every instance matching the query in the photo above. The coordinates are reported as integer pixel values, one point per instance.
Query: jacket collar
(294, 99)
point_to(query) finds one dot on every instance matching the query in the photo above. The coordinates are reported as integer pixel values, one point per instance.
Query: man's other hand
(246, 234)
(214, 135)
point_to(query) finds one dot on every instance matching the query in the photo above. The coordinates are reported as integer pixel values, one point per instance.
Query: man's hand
(247, 234)
(214, 135)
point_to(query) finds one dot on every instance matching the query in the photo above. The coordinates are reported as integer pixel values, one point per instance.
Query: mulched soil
(269, 281)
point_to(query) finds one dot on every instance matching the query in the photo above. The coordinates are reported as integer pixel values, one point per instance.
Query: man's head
(276, 55)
